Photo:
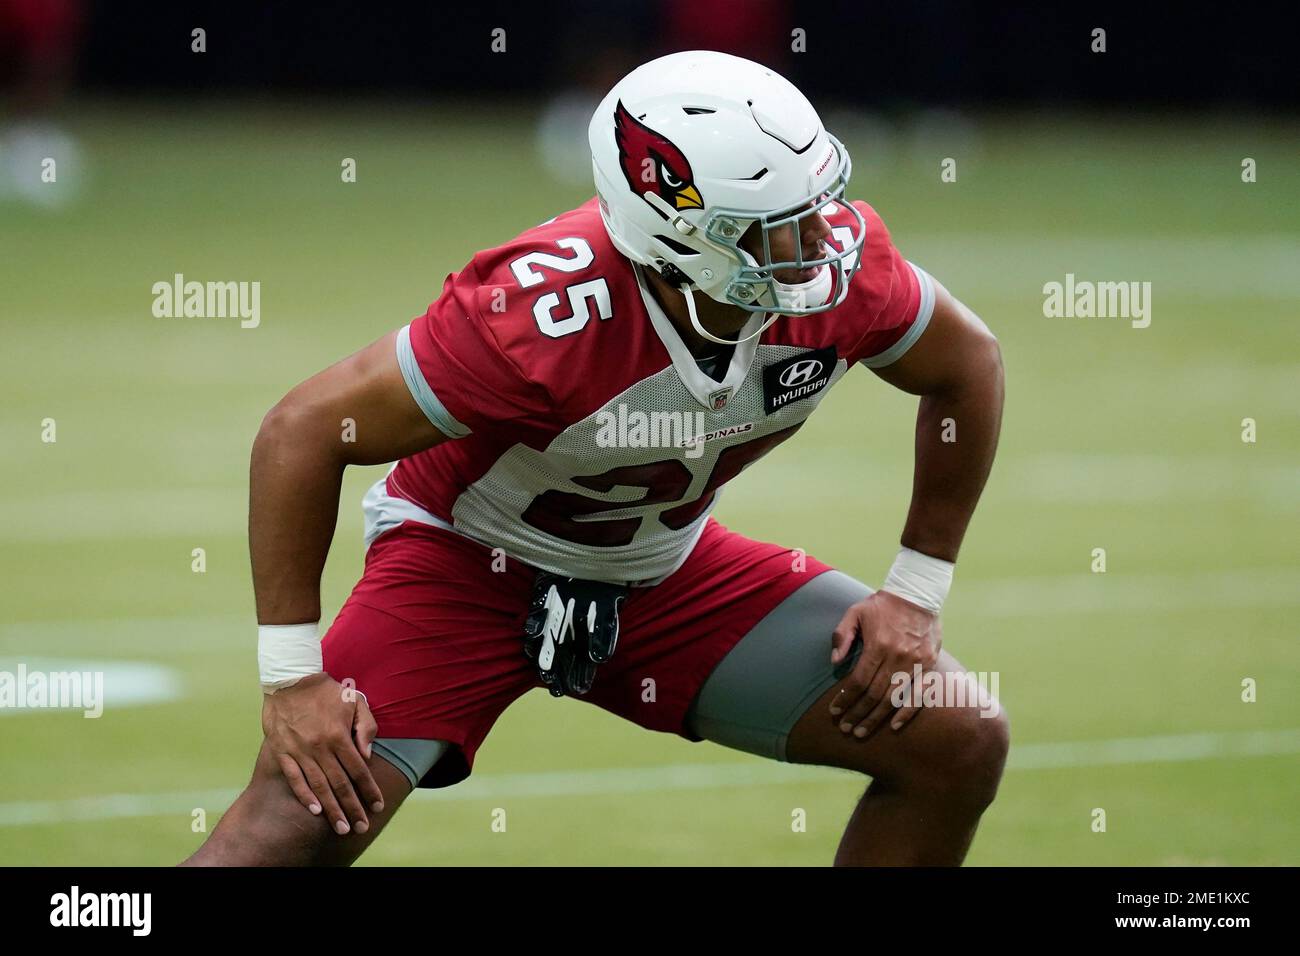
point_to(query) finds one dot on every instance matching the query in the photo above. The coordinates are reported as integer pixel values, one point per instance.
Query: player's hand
(320, 734)
(896, 636)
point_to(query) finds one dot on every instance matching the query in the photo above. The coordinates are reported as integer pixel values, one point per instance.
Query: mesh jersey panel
(491, 509)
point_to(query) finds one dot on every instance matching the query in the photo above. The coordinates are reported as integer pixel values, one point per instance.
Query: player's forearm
(294, 481)
(956, 438)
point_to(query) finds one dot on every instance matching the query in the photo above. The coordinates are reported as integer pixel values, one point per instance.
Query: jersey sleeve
(899, 297)
(456, 370)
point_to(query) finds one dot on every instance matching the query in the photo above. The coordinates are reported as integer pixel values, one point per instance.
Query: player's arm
(955, 366)
(357, 412)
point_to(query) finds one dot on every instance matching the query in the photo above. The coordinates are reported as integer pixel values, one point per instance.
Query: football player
(720, 282)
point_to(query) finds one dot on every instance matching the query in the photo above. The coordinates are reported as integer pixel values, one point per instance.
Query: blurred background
(1004, 148)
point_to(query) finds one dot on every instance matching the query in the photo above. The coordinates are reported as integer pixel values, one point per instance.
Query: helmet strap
(701, 330)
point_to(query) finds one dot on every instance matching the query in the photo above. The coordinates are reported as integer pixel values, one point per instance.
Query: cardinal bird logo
(653, 164)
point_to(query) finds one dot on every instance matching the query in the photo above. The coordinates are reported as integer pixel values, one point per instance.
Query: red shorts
(432, 635)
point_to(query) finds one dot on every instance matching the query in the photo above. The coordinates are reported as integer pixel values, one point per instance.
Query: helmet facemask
(752, 284)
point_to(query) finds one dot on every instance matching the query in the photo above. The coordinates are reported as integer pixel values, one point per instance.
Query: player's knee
(274, 829)
(982, 742)
(268, 826)
(963, 760)
(268, 789)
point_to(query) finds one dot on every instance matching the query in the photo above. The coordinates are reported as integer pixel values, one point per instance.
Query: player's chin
(797, 276)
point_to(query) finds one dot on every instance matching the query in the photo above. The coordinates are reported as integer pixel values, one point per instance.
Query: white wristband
(919, 578)
(286, 653)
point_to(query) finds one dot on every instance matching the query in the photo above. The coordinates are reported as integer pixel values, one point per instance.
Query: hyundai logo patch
(797, 377)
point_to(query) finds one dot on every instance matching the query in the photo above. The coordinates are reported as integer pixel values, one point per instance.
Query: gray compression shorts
(753, 699)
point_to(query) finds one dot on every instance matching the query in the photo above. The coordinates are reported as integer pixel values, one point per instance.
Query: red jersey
(588, 440)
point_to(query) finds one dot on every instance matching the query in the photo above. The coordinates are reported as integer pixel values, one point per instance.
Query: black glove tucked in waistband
(572, 626)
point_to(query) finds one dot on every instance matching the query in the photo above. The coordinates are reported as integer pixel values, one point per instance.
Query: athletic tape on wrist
(286, 653)
(919, 578)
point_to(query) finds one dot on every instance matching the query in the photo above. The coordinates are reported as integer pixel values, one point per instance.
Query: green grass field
(1117, 438)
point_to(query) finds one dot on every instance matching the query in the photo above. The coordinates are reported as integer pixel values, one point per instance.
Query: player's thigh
(771, 696)
(276, 808)
(755, 697)
(958, 745)
(432, 636)
(268, 826)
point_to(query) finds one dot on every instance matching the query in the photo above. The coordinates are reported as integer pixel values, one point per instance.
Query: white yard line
(589, 783)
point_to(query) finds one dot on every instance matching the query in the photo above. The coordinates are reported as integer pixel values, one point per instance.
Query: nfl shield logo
(718, 399)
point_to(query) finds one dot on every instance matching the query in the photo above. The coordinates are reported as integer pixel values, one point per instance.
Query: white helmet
(690, 150)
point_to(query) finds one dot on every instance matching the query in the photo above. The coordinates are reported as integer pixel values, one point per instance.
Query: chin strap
(700, 329)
